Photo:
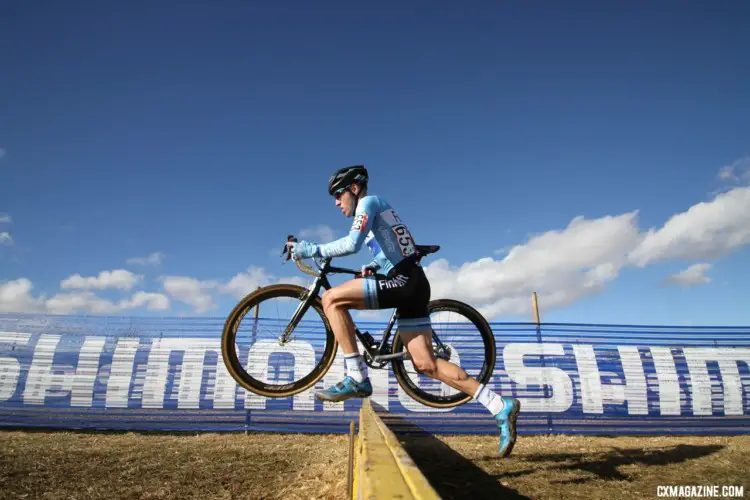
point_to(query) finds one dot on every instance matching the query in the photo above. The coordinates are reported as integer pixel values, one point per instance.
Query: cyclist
(404, 287)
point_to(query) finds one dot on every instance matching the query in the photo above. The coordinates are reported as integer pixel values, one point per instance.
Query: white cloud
(502, 251)
(69, 303)
(201, 293)
(565, 266)
(318, 234)
(243, 283)
(248, 281)
(88, 302)
(5, 219)
(737, 171)
(120, 279)
(153, 259)
(561, 266)
(16, 296)
(693, 275)
(727, 174)
(152, 301)
(6, 238)
(191, 291)
(707, 230)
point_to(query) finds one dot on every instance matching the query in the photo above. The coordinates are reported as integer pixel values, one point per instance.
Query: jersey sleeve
(364, 218)
(378, 262)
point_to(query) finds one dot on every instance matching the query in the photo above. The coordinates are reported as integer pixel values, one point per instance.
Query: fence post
(535, 308)
(254, 338)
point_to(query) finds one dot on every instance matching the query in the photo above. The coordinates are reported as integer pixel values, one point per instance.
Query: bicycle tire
(485, 373)
(231, 358)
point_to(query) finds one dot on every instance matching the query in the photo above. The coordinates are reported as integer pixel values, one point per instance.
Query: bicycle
(376, 355)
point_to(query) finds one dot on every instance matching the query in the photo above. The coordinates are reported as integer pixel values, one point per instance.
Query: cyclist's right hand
(366, 271)
(287, 251)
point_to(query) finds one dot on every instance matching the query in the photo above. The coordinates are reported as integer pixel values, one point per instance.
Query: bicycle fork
(299, 313)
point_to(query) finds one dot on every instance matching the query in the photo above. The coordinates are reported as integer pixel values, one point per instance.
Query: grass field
(71, 465)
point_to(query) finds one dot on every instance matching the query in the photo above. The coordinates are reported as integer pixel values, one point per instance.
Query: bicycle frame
(321, 281)
(377, 352)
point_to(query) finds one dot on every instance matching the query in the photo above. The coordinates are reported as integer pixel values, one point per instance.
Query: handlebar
(303, 266)
(307, 268)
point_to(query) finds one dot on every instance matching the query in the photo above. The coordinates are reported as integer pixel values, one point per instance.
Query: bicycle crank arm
(388, 357)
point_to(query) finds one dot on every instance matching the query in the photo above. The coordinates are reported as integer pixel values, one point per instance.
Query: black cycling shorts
(405, 289)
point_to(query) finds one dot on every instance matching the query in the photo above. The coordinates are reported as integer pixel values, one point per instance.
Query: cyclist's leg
(364, 293)
(416, 332)
(419, 344)
(336, 304)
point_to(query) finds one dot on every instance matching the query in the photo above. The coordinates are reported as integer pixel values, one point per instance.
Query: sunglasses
(339, 192)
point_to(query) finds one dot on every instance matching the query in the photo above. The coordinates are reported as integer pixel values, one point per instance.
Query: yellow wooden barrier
(381, 468)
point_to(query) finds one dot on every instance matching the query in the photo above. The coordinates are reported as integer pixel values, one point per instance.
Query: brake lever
(288, 250)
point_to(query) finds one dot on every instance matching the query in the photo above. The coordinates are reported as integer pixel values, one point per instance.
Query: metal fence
(167, 374)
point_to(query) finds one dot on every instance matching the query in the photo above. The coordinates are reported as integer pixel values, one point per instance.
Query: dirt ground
(78, 465)
(579, 467)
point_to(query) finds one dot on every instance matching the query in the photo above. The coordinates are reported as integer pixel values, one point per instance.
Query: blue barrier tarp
(167, 374)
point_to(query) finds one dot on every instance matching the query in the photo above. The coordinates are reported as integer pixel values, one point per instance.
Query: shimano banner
(167, 374)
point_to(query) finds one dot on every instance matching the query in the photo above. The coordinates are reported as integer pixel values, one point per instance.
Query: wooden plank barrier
(380, 467)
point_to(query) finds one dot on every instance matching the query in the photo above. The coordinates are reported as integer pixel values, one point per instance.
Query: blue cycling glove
(305, 250)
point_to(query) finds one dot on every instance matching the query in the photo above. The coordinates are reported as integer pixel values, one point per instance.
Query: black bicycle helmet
(346, 176)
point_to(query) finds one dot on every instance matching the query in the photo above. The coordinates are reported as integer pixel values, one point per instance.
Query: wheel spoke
(261, 359)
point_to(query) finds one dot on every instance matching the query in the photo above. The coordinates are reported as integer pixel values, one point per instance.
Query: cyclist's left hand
(302, 249)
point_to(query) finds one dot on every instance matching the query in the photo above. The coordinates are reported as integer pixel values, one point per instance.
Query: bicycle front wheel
(276, 367)
(460, 335)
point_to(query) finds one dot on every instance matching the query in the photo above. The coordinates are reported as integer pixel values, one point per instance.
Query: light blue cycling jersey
(377, 225)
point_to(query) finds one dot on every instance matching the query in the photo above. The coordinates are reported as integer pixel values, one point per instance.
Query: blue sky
(203, 134)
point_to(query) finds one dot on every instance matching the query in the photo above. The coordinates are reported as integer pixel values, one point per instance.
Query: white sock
(355, 366)
(489, 399)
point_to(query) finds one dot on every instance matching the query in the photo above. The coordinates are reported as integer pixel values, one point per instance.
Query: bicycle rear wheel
(276, 369)
(470, 344)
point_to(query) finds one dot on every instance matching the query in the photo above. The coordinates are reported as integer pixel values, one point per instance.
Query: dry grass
(68, 465)
(64, 465)
(579, 467)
